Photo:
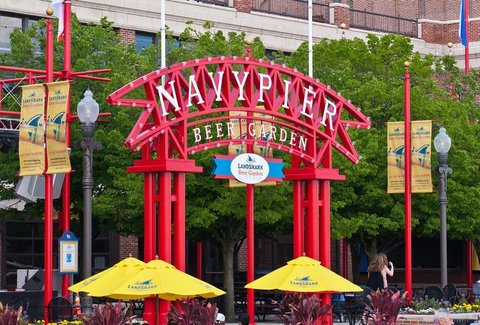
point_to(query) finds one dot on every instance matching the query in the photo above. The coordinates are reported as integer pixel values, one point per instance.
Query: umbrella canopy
(105, 282)
(304, 274)
(160, 279)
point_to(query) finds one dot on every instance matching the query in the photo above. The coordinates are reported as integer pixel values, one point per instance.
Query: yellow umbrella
(160, 279)
(105, 282)
(304, 274)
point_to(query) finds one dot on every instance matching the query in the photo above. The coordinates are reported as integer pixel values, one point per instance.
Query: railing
(383, 23)
(293, 8)
(223, 3)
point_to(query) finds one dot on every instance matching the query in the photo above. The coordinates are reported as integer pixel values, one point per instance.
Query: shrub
(10, 316)
(302, 309)
(383, 307)
(192, 312)
(108, 314)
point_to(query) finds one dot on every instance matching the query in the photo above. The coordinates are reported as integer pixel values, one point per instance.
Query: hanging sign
(421, 139)
(31, 131)
(57, 151)
(68, 245)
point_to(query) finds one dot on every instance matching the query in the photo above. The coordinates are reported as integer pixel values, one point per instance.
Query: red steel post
(67, 37)
(250, 251)
(297, 219)
(164, 231)
(408, 184)
(325, 254)
(179, 222)
(149, 238)
(65, 216)
(48, 224)
(312, 222)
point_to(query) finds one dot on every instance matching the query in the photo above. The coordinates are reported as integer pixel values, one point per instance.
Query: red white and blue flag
(462, 26)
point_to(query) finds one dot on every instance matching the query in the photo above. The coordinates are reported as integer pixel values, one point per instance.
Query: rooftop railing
(383, 23)
(223, 3)
(293, 8)
(320, 11)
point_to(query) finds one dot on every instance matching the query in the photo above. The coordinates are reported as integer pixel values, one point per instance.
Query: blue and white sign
(249, 168)
(246, 168)
(68, 245)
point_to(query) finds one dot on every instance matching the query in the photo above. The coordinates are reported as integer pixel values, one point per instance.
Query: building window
(144, 40)
(24, 249)
(8, 23)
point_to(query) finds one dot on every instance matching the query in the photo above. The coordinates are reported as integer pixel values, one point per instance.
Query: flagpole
(467, 50)
(310, 39)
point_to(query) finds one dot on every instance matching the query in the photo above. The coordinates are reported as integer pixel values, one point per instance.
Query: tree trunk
(228, 282)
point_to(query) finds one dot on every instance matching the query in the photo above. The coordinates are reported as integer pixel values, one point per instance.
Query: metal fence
(383, 23)
(215, 2)
(293, 8)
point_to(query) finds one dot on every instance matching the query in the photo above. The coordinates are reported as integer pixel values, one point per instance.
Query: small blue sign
(68, 246)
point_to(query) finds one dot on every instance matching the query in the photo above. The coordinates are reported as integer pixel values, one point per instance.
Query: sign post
(68, 246)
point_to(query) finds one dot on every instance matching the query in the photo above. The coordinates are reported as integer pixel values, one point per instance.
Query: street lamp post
(87, 111)
(442, 143)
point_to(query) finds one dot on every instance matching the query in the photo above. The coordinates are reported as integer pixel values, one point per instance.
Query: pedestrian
(378, 270)
(243, 319)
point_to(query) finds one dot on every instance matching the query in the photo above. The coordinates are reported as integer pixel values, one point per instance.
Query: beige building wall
(276, 32)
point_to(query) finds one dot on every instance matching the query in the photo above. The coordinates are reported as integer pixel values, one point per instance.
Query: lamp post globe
(442, 143)
(88, 108)
(87, 112)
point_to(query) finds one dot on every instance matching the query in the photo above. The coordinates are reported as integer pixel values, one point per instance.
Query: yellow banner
(421, 139)
(57, 153)
(256, 129)
(31, 131)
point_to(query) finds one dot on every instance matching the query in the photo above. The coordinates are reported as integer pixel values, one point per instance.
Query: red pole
(67, 36)
(199, 260)
(297, 219)
(408, 185)
(313, 223)
(469, 264)
(467, 46)
(325, 256)
(48, 231)
(250, 252)
(149, 238)
(179, 222)
(165, 232)
(65, 217)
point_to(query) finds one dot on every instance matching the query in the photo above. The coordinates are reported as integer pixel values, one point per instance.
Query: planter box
(458, 319)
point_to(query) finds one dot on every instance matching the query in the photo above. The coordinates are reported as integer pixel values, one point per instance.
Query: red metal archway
(188, 107)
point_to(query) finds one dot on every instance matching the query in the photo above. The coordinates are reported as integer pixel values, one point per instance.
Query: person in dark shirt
(378, 271)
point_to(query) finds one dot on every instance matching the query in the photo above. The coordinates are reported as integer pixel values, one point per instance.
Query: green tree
(370, 75)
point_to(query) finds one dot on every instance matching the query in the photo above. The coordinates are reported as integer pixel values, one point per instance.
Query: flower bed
(418, 319)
